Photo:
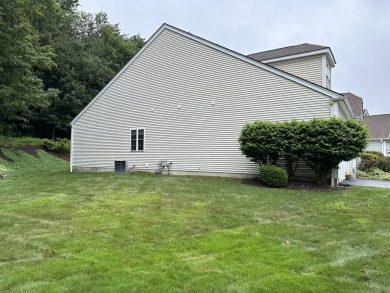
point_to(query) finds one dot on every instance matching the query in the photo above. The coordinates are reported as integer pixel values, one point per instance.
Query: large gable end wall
(192, 99)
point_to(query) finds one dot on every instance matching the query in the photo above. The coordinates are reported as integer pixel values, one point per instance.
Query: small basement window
(137, 139)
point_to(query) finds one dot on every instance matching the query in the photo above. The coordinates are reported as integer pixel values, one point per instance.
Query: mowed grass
(105, 232)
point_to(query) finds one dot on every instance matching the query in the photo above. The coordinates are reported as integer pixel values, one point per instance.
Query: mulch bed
(295, 185)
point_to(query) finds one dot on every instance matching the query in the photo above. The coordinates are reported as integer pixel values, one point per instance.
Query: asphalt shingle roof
(286, 51)
(378, 125)
(356, 104)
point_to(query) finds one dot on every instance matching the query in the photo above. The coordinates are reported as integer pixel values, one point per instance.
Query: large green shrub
(258, 142)
(60, 145)
(323, 143)
(264, 142)
(273, 176)
(330, 141)
(290, 137)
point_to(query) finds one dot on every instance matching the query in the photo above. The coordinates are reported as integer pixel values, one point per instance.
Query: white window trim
(136, 141)
(328, 75)
(324, 71)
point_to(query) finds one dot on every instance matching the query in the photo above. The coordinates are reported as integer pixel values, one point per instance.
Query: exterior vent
(120, 166)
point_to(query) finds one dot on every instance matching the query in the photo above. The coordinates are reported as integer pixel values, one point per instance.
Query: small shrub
(374, 173)
(384, 164)
(372, 159)
(60, 145)
(3, 172)
(369, 160)
(273, 176)
(378, 154)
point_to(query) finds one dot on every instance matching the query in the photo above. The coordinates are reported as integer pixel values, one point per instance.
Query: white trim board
(325, 51)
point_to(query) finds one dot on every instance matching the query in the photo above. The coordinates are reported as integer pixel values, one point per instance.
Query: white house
(378, 125)
(184, 99)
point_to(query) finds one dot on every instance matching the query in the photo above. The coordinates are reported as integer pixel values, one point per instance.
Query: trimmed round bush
(273, 176)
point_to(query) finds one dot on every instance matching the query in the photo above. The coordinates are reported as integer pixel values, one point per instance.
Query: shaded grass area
(104, 232)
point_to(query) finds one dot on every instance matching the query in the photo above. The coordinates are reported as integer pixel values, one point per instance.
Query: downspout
(333, 113)
(71, 147)
(383, 145)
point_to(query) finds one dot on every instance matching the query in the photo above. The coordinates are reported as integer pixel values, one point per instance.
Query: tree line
(54, 59)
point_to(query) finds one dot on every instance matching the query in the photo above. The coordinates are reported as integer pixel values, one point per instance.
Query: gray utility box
(120, 166)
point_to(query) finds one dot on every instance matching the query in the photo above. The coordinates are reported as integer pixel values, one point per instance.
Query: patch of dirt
(32, 150)
(295, 185)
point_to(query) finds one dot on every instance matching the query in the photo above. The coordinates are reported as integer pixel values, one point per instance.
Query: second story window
(137, 139)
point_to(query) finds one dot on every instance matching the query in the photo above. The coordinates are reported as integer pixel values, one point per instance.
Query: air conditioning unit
(120, 166)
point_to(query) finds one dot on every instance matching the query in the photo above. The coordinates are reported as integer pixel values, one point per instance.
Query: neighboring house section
(185, 99)
(308, 61)
(356, 104)
(313, 63)
(379, 130)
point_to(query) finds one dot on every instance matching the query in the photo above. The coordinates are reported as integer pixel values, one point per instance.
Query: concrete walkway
(366, 182)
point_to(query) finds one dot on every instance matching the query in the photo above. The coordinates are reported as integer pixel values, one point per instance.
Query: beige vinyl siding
(341, 113)
(309, 68)
(177, 71)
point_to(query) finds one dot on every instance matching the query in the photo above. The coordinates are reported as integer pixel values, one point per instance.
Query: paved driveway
(367, 182)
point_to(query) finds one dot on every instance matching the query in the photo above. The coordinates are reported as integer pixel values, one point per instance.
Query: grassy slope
(14, 141)
(101, 232)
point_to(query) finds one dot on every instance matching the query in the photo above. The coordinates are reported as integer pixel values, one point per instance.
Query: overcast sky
(358, 32)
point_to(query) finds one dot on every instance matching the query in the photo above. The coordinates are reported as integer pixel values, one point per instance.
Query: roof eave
(345, 105)
(326, 51)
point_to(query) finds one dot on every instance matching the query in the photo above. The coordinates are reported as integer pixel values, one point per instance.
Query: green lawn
(104, 232)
